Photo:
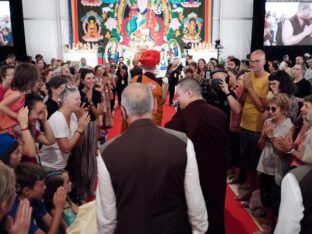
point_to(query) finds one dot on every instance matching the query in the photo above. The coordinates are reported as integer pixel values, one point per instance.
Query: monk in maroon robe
(207, 127)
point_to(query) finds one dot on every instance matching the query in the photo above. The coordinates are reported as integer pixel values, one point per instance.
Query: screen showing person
(6, 38)
(287, 23)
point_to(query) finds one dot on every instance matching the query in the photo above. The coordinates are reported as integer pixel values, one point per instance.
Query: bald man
(255, 90)
(148, 176)
(206, 126)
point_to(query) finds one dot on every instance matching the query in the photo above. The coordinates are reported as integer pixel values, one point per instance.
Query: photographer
(173, 74)
(218, 93)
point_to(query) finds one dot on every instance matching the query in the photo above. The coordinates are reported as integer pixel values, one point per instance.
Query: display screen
(288, 23)
(6, 38)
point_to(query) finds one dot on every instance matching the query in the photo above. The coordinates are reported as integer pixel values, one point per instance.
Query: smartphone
(207, 75)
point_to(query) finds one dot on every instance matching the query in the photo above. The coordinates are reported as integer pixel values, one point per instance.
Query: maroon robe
(207, 127)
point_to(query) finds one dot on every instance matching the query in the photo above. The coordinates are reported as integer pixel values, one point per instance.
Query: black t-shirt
(96, 99)
(52, 106)
(303, 88)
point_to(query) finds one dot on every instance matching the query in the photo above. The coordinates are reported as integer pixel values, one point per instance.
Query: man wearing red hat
(149, 60)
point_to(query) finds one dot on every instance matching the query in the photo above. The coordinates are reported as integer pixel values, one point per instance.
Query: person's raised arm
(234, 104)
(27, 141)
(258, 102)
(46, 138)
(65, 144)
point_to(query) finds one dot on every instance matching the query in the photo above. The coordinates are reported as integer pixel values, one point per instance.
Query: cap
(150, 58)
(6, 143)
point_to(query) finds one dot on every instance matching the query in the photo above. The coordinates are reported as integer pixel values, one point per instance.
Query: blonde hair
(281, 100)
(7, 182)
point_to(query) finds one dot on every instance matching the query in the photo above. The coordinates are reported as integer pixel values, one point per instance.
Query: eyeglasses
(274, 83)
(254, 61)
(271, 108)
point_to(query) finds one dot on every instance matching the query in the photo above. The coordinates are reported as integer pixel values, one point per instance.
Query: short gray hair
(137, 99)
(303, 6)
(66, 91)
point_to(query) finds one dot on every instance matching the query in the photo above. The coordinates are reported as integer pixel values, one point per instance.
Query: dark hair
(198, 71)
(38, 56)
(275, 64)
(236, 61)
(97, 67)
(193, 63)
(234, 71)
(188, 69)
(55, 83)
(3, 70)
(287, 85)
(6, 158)
(83, 73)
(308, 98)
(25, 77)
(31, 100)
(53, 181)
(246, 62)
(27, 174)
(11, 55)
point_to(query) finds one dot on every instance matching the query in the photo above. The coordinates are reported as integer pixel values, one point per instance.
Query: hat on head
(150, 58)
(6, 143)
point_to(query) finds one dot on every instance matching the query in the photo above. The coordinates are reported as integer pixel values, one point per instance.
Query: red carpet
(237, 220)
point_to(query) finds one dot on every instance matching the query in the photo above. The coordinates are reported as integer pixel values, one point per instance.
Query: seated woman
(54, 180)
(66, 129)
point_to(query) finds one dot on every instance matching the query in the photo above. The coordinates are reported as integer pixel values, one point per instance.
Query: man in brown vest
(148, 176)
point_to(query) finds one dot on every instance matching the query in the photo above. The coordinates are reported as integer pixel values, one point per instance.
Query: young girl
(54, 180)
(24, 79)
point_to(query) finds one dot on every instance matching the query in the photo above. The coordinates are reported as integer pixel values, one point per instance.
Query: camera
(215, 83)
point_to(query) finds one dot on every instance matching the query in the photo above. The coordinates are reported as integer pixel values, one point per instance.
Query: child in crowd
(55, 180)
(10, 153)
(6, 76)
(24, 79)
(30, 185)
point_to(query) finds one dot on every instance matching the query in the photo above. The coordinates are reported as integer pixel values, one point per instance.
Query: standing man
(173, 75)
(136, 70)
(148, 176)
(255, 90)
(206, 126)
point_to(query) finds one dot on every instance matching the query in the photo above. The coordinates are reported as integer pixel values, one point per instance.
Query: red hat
(150, 58)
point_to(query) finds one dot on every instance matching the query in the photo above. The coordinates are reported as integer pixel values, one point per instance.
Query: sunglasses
(272, 108)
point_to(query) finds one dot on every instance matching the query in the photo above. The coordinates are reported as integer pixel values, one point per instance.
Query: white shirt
(51, 155)
(291, 207)
(106, 200)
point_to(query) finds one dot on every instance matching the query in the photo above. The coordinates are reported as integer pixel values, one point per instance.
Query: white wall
(46, 27)
(235, 20)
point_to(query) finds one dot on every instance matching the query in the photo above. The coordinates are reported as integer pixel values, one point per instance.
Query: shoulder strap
(139, 80)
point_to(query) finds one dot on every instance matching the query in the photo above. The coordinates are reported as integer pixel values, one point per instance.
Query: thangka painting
(126, 27)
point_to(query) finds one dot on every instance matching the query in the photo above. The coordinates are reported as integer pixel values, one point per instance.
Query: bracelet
(228, 94)
(24, 129)
(290, 151)
(80, 133)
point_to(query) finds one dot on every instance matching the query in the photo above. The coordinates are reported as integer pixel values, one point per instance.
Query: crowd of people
(246, 122)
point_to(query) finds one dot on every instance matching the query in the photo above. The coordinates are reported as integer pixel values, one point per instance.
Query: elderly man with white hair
(148, 176)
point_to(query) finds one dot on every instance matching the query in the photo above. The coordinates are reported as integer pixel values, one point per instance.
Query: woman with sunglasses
(272, 164)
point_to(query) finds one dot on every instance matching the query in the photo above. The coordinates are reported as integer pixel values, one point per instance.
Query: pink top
(6, 122)
(2, 91)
